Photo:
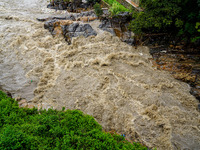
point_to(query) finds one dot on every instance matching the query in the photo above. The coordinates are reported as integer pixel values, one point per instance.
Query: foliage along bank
(178, 17)
(23, 128)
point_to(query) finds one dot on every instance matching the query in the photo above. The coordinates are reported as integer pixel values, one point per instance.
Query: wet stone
(24, 105)
(42, 19)
(72, 27)
(18, 98)
(30, 105)
(22, 101)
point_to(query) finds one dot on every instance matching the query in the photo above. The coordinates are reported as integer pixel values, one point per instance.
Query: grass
(116, 7)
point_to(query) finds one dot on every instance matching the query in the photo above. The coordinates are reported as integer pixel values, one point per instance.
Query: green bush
(98, 10)
(23, 128)
(116, 7)
(173, 16)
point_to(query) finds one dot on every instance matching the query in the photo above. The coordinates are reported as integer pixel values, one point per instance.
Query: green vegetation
(116, 7)
(23, 128)
(179, 17)
(98, 10)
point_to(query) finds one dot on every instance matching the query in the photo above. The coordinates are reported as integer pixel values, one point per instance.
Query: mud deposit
(101, 76)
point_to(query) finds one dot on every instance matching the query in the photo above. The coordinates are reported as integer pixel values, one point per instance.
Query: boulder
(68, 29)
(72, 27)
(122, 17)
(71, 17)
(129, 41)
(50, 25)
(105, 24)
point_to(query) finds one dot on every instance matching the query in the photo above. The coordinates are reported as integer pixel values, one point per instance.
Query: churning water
(101, 76)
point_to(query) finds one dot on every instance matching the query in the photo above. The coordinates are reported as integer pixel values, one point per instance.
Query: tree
(173, 16)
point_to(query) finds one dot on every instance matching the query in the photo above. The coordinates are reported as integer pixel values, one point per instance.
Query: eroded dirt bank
(101, 76)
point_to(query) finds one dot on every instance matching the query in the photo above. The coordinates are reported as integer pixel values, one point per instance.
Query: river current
(99, 75)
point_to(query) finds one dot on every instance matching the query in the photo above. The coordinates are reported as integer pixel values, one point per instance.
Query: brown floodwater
(183, 64)
(102, 76)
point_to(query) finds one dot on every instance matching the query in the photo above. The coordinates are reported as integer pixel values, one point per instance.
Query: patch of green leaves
(178, 17)
(116, 7)
(23, 128)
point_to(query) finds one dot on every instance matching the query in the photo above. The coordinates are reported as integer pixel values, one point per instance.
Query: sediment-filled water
(101, 76)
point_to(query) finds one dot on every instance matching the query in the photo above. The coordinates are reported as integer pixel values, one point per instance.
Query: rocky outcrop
(72, 25)
(118, 26)
(68, 29)
(76, 29)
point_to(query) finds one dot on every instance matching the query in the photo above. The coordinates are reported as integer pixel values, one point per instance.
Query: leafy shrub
(23, 128)
(116, 7)
(98, 10)
(172, 16)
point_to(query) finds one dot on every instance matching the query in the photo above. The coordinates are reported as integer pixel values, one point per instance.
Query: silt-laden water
(101, 76)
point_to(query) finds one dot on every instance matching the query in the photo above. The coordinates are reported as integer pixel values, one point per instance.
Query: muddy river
(100, 75)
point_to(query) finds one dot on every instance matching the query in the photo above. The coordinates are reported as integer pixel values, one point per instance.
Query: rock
(87, 19)
(111, 30)
(55, 26)
(60, 7)
(50, 6)
(87, 29)
(76, 29)
(42, 19)
(62, 23)
(198, 87)
(50, 25)
(130, 41)
(83, 19)
(57, 31)
(9, 94)
(80, 29)
(30, 105)
(23, 105)
(122, 17)
(43, 106)
(71, 17)
(72, 27)
(59, 17)
(69, 28)
(93, 18)
(22, 101)
(18, 98)
(195, 92)
(105, 24)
